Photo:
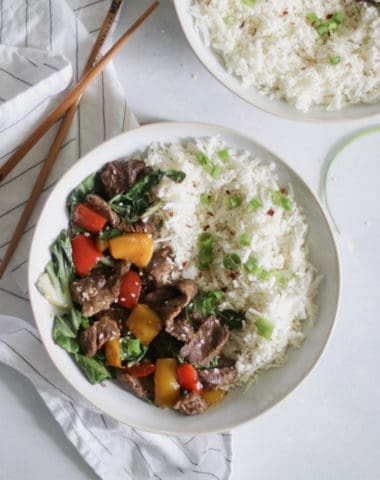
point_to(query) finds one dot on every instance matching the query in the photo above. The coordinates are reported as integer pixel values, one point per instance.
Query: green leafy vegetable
(131, 350)
(231, 318)
(234, 201)
(94, 370)
(78, 195)
(107, 233)
(64, 334)
(204, 303)
(232, 261)
(54, 282)
(264, 328)
(176, 175)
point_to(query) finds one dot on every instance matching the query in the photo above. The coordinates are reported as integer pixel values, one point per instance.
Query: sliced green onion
(280, 277)
(263, 274)
(255, 203)
(205, 199)
(215, 171)
(249, 3)
(312, 18)
(234, 201)
(216, 294)
(338, 18)
(251, 265)
(203, 159)
(334, 60)
(322, 28)
(278, 198)
(205, 239)
(264, 328)
(232, 261)
(223, 154)
(245, 239)
(230, 20)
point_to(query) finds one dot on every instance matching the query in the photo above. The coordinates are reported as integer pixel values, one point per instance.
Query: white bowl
(238, 407)
(215, 66)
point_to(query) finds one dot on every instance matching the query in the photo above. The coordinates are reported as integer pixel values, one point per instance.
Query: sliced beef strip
(98, 204)
(169, 300)
(180, 328)
(159, 270)
(118, 314)
(97, 291)
(141, 226)
(207, 342)
(191, 404)
(217, 377)
(118, 176)
(94, 337)
(143, 387)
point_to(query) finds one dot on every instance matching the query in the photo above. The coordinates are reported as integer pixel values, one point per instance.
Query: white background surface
(329, 427)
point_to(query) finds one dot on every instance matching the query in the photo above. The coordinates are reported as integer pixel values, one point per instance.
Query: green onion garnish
(255, 203)
(334, 60)
(245, 239)
(234, 201)
(215, 171)
(232, 261)
(223, 154)
(203, 159)
(205, 239)
(250, 265)
(249, 3)
(205, 257)
(323, 27)
(338, 17)
(263, 274)
(278, 198)
(312, 18)
(280, 277)
(205, 199)
(264, 328)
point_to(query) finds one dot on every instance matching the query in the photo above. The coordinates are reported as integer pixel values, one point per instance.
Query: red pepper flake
(270, 212)
(210, 213)
(233, 276)
(184, 264)
(224, 289)
(188, 226)
(285, 12)
(206, 227)
(171, 214)
(292, 24)
(242, 25)
(303, 68)
(329, 15)
(283, 190)
(228, 192)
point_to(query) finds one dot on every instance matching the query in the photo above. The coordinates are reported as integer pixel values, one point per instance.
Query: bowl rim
(213, 129)
(295, 115)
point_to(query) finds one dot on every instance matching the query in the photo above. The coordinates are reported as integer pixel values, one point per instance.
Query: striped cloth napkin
(43, 47)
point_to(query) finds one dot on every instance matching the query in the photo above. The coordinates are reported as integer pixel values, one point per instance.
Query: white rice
(278, 242)
(273, 47)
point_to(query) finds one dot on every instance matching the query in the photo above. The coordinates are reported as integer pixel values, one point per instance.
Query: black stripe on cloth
(206, 473)
(8, 153)
(142, 456)
(1, 20)
(23, 329)
(183, 451)
(35, 370)
(23, 203)
(26, 115)
(18, 266)
(180, 469)
(104, 421)
(94, 31)
(2, 99)
(16, 77)
(24, 232)
(30, 61)
(13, 294)
(32, 166)
(124, 114)
(51, 66)
(88, 429)
(189, 441)
(88, 5)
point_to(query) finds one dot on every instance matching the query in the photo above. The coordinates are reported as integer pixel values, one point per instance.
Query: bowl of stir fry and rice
(174, 267)
(305, 59)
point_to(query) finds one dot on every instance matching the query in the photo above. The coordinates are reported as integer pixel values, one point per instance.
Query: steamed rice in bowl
(281, 49)
(282, 288)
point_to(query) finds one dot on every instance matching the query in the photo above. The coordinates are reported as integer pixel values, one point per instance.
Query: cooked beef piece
(180, 328)
(118, 176)
(207, 342)
(140, 226)
(143, 387)
(217, 377)
(94, 337)
(191, 404)
(98, 204)
(97, 291)
(160, 268)
(118, 314)
(168, 301)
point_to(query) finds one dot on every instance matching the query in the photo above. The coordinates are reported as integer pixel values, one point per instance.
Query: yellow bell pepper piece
(136, 248)
(112, 351)
(213, 396)
(102, 244)
(166, 387)
(144, 323)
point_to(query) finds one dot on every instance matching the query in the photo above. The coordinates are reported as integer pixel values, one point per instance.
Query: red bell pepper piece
(130, 290)
(141, 370)
(86, 218)
(187, 377)
(85, 254)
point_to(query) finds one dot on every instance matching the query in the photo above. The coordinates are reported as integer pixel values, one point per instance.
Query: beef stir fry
(128, 313)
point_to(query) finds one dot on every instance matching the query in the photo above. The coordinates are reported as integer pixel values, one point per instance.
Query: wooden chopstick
(72, 96)
(17, 234)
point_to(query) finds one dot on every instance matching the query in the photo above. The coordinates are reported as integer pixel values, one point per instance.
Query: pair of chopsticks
(66, 107)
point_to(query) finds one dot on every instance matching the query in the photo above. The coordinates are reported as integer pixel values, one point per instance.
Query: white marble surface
(329, 427)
